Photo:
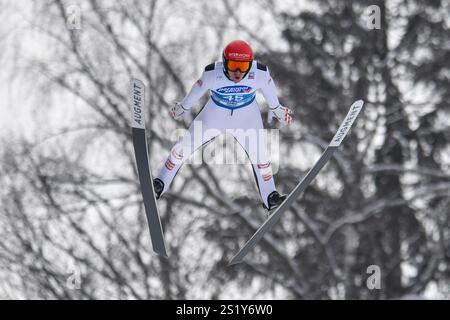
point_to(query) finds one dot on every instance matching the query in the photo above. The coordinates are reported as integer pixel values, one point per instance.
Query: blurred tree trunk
(392, 152)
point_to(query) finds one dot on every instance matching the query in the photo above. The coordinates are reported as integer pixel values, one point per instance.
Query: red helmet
(238, 50)
(237, 55)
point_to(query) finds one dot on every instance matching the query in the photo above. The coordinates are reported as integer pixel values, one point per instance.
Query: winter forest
(374, 224)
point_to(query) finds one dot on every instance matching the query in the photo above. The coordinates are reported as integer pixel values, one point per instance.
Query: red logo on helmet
(238, 56)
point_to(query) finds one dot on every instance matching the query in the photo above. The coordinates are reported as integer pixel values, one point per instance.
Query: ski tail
(304, 183)
(137, 101)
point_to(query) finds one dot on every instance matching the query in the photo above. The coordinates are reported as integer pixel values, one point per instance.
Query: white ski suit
(231, 106)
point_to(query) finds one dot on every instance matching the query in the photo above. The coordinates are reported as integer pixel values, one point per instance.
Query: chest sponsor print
(233, 97)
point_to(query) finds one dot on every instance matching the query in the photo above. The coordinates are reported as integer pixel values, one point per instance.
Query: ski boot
(274, 199)
(158, 186)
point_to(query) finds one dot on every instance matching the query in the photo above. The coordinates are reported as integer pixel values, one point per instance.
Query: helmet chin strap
(225, 72)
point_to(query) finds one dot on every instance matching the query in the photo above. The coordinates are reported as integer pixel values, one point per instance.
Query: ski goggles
(242, 66)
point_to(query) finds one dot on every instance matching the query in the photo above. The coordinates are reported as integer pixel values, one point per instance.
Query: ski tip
(358, 103)
(347, 123)
(137, 82)
(137, 98)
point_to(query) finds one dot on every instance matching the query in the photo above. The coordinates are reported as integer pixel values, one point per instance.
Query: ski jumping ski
(137, 101)
(298, 190)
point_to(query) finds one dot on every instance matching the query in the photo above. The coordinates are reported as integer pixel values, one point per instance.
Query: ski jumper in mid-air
(232, 107)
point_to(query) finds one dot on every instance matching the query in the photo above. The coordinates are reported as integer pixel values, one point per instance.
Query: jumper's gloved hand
(283, 114)
(177, 111)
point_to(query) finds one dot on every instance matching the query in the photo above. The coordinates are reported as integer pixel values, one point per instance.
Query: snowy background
(374, 225)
